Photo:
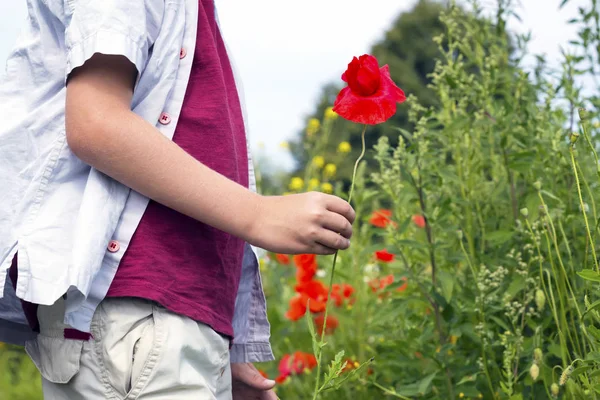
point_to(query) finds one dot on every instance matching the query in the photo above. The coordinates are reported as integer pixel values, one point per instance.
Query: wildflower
(344, 147)
(263, 373)
(316, 291)
(327, 187)
(284, 145)
(540, 299)
(371, 95)
(339, 293)
(554, 389)
(564, 377)
(330, 170)
(453, 339)
(282, 258)
(380, 284)
(295, 364)
(419, 221)
(330, 114)
(313, 184)
(381, 218)
(306, 267)
(318, 161)
(534, 371)
(313, 126)
(384, 256)
(297, 307)
(331, 325)
(461, 395)
(296, 183)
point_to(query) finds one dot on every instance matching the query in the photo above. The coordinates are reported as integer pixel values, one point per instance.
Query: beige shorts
(139, 350)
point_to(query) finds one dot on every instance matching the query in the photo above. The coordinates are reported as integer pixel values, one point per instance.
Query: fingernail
(270, 381)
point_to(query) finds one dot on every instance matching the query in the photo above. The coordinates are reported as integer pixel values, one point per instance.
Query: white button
(164, 119)
(182, 53)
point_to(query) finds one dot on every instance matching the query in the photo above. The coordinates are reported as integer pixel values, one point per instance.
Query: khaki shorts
(139, 350)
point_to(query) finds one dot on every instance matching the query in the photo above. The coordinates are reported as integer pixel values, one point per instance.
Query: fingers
(269, 395)
(338, 224)
(332, 240)
(342, 207)
(249, 375)
(319, 249)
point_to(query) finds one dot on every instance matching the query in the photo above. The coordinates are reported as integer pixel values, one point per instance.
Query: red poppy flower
(380, 284)
(371, 95)
(348, 290)
(419, 221)
(332, 323)
(263, 373)
(315, 290)
(283, 258)
(381, 218)
(295, 364)
(297, 307)
(306, 267)
(305, 260)
(384, 256)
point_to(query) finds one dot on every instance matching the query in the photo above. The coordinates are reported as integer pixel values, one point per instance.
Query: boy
(128, 213)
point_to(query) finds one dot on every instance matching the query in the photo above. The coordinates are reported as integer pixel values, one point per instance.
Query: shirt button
(182, 53)
(164, 118)
(113, 246)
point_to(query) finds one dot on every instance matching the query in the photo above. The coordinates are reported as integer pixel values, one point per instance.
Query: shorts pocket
(57, 359)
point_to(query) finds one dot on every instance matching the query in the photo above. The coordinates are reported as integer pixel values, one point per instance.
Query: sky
(285, 51)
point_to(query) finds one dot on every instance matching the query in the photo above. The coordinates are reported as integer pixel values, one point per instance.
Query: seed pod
(537, 355)
(573, 137)
(554, 389)
(537, 185)
(583, 114)
(540, 299)
(534, 371)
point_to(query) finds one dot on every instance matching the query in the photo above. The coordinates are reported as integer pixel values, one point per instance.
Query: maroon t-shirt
(185, 265)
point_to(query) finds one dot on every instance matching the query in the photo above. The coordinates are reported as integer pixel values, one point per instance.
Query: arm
(103, 132)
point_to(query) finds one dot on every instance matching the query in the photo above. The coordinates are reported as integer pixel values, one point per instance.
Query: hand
(302, 223)
(249, 384)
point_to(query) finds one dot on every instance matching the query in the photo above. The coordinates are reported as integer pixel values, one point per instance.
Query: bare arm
(104, 133)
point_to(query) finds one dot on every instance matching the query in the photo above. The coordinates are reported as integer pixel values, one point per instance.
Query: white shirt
(70, 223)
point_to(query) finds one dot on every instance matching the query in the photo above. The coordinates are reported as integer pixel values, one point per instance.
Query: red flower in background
(419, 221)
(283, 258)
(371, 95)
(315, 290)
(332, 323)
(381, 218)
(306, 267)
(295, 364)
(297, 307)
(380, 284)
(384, 256)
(339, 293)
(263, 373)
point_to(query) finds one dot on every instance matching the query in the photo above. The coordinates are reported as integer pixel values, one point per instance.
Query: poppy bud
(574, 136)
(583, 114)
(554, 389)
(534, 371)
(537, 185)
(537, 355)
(540, 299)
(564, 377)
(524, 212)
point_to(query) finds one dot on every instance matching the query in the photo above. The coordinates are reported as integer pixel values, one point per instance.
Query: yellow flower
(296, 183)
(461, 395)
(453, 339)
(330, 170)
(356, 364)
(327, 187)
(313, 126)
(437, 350)
(330, 114)
(480, 396)
(344, 147)
(318, 161)
(313, 184)
(284, 145)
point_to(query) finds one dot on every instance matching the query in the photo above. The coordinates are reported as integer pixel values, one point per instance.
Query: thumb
(251, 377)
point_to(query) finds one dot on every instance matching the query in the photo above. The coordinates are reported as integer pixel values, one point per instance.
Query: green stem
(587, 226)
(317, 391)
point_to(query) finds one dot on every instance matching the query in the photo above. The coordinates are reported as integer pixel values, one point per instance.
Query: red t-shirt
(185, 265)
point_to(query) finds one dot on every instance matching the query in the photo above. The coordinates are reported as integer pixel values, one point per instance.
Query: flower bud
(537, 185)
(554, 389)
(534, 371)
(564, 377)
(525, 212)
(540, 299)
(459, 233)
(573, 137)
(583, 114)
(537, 355)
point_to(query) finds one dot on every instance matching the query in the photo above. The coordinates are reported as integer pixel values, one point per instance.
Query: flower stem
(316, 391)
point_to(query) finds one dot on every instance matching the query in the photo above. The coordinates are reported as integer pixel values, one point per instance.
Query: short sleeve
(112, 27)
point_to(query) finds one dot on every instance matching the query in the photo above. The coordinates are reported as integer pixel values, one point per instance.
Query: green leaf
(500, 323)
(515, 287)
(499, 237)
(580, 370)
(589, 275)
(447, 282)
(418, 388)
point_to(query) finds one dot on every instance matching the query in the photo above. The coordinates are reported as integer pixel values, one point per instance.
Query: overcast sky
(286, 50)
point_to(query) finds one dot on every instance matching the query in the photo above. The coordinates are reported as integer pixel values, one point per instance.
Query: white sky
(286, 50)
